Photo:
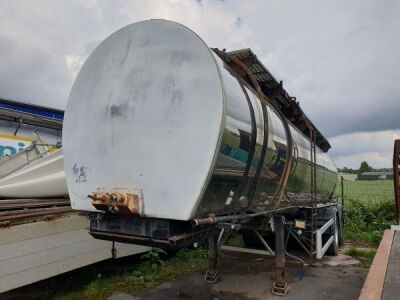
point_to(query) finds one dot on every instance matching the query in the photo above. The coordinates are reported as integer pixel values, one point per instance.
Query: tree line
(364, 167)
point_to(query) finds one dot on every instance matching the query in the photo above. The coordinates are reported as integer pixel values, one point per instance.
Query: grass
(235, 240)
(367, 190)
(152, 271)
(365, 256)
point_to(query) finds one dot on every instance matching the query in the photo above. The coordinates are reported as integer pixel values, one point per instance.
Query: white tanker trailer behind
(167, 141)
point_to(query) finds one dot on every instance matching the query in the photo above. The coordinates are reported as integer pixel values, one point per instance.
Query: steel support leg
(212, 272)
(280, 285)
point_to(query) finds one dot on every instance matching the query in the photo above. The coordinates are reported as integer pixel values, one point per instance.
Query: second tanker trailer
(169, 142)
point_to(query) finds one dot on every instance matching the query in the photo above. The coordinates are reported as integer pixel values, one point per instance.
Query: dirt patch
(188, 287)
(341, 260)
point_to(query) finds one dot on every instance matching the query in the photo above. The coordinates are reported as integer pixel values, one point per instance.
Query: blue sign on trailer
(36, 110)
(22, 123)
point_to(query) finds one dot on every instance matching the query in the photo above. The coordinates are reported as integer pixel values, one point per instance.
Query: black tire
(334, 247)
(341, 240)
(250, 239)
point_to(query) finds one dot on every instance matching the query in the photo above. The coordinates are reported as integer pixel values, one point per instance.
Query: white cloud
(374, 159)
(74, 63)
(376, 148)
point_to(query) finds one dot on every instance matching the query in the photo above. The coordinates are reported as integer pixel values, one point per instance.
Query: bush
(366, 220)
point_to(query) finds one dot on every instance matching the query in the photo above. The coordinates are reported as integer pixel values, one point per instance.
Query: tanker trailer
(168, 143)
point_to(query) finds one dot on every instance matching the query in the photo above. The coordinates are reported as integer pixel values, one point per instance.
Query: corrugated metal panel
(36, 251)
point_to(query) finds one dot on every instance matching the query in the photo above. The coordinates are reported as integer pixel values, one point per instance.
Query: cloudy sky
(341, 59)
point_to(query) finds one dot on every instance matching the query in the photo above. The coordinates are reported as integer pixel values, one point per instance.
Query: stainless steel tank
(156, 113)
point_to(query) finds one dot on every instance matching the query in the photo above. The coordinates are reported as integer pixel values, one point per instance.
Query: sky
(340, 59)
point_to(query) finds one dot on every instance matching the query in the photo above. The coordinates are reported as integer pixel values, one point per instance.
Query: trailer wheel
(340, 232)
(334, 247)
(250, 239)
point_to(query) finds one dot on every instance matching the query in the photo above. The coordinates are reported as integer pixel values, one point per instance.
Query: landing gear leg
(212, 272)
(280, 285)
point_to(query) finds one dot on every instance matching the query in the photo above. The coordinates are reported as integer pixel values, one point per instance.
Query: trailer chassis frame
(283, 231)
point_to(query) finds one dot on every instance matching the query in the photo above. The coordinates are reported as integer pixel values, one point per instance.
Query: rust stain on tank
(118, 203)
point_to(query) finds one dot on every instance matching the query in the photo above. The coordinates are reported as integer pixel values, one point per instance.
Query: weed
(366, 256)
(152, 259)
(235, 240)
(155, 268)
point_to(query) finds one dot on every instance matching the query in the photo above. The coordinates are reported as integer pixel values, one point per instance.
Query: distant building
(378, 175)
(347, 176)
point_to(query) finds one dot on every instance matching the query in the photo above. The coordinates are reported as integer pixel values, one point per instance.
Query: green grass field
(366, 190)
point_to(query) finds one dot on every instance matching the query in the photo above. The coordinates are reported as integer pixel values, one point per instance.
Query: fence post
(342, 190)
(396, 176)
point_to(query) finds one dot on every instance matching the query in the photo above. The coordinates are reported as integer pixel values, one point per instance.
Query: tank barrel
(195, 135)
